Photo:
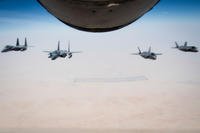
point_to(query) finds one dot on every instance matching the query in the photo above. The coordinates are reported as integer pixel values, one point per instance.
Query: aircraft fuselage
(57, 53)
(148, 55)
(14, 48)
(188, 48)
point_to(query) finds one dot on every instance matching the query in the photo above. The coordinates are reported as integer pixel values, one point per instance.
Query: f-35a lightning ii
(147, 54)
(60, 53)
(186, 48)
(18, 47)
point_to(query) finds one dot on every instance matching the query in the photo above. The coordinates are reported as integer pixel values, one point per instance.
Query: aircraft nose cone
(3, 51)
(98, 15)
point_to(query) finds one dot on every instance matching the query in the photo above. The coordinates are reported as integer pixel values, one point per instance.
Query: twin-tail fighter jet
(147, 54)
(16, 47)
(186, 48)
(61, 53)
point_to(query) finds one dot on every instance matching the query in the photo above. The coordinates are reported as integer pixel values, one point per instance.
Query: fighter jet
(60, 53)
(186, 48)
(18, 47)
(147, 54)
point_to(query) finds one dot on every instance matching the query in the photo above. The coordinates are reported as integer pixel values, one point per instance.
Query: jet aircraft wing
(47, 51)
(158, 53)
(76, 52)
(135, 54)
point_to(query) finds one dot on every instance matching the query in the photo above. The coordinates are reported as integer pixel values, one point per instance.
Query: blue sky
(176, 6)
(10, 10)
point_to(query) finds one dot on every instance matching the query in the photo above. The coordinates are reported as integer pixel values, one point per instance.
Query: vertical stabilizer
(25, 43)
(139, 50)
(149, 50)
(176, 45)
(185, 44)
(69, 47)
(17, 43)
(58, 46)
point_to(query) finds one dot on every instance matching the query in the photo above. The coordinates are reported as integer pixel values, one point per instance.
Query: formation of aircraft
(147, 54)
(119, 13)
(186, 48)
(16, 47)
(61, 53)
(68, 53)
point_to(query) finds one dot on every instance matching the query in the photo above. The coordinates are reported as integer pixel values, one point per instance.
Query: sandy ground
(94, 131)
(102, 106)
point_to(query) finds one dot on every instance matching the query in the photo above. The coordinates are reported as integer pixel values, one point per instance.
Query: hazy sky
(38, 92)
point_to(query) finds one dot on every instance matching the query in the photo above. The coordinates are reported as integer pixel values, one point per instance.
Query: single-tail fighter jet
(98, 15)
(186, 48)
(147, 54)
(17, 47)
(60, 53)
